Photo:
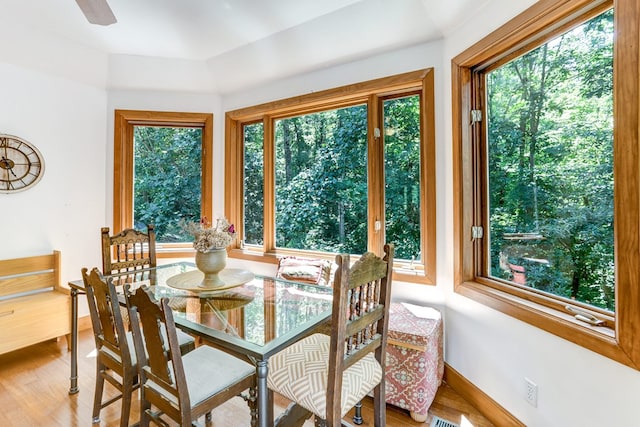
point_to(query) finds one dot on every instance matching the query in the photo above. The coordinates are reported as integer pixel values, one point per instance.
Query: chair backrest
(108, 326)
(128, 250)
(156, 366)
(360, 318)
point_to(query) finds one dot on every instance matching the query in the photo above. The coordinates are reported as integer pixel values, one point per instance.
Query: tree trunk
(286, 145)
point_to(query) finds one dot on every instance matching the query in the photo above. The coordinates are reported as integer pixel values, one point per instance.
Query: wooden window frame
(617, 339)
(125, 121)
(369, 92)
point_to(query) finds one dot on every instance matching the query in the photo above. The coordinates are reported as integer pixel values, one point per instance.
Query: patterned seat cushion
(300, 371)
(305, 270)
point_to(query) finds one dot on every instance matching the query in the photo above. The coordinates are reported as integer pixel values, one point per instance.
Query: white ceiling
(222, 31)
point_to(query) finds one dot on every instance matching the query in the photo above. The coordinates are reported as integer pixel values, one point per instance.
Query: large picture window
(544, 177)
(550, 166)
(321, 181)
(344, 170)
(162, 174)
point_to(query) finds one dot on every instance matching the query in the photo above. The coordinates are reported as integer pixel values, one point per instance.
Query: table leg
(73, 388)
(265, 396)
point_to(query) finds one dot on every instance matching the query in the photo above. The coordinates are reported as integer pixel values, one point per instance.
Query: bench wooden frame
(33, 305)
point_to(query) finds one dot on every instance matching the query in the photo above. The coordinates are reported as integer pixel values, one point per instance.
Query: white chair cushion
(300, 372)
(183, 339)
(207, 371)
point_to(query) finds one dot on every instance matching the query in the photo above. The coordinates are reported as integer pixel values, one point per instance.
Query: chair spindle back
(360, 317)
(128, 250)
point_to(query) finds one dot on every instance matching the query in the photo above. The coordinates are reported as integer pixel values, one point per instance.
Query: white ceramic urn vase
(211, 263)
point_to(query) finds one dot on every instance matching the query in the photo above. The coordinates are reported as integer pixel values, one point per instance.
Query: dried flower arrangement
(207, 237)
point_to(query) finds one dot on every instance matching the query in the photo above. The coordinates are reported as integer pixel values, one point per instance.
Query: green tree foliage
(402, 175)
(253, 184)
(321, 181)
(550, 133)
(167, 179)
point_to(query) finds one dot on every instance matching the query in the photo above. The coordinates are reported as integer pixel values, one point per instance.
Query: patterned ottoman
(414, 358)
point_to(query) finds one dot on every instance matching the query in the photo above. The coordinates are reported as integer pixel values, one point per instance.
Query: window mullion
(479, 153)
(269, 185)
(207, 168)
(375, 173)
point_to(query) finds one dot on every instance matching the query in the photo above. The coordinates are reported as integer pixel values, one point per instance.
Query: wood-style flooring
(34, 385)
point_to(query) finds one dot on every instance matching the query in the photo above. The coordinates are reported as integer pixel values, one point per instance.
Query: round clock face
(21, 164)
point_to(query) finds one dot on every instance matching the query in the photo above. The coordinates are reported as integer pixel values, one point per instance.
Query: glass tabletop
(257, 318)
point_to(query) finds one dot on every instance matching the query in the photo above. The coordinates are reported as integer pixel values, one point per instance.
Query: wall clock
(21, 164)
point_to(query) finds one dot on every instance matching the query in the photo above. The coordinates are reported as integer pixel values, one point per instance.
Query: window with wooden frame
(546, 173)
(162, 174)
(340, 170)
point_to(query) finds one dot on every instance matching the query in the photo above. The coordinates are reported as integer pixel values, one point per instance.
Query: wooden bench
(33, 305)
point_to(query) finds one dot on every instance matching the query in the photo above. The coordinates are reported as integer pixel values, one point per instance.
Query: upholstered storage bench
(33, 306)
(415, 362)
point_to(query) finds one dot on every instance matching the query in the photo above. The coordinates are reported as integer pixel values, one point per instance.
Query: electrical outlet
(531, 392)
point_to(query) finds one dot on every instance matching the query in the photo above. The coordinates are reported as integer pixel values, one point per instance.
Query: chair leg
(127, 391)
(144, 408)
(97, 395)
(252, 402)
(379, 406)
(357, 416)
(319, 422)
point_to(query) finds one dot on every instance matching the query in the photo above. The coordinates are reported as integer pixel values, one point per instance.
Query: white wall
(66, 121)
(32, 48)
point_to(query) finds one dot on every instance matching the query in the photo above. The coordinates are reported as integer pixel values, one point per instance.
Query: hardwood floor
(34, 385)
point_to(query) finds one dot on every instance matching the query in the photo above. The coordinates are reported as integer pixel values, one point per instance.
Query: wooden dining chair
(116, 360)
(327, 375)
(128, 250)
(182, 388)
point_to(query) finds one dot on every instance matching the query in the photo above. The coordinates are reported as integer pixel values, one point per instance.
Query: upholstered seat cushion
(204, 364)
(186, 342)
(305, 270)
(300, 372)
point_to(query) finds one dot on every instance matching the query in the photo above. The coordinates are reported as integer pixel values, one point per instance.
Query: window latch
(477, 232)
(584, 316)
(476, 116)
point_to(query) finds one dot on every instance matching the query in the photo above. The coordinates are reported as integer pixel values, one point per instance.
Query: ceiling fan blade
(97, 11)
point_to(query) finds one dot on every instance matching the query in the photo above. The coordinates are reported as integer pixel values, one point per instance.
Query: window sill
(411, 276)
(599, 339)
(400, 274)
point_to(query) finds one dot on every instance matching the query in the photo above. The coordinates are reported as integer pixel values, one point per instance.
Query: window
(162, 174)
(253, 184)
(543, 161)
(342, 170)
(321, 181)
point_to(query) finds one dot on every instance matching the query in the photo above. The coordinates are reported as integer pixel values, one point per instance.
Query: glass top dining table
(253, 320)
